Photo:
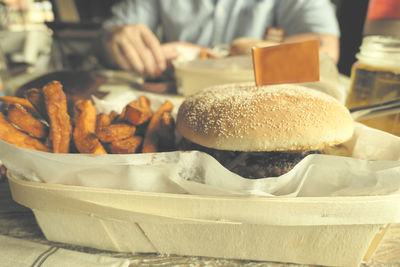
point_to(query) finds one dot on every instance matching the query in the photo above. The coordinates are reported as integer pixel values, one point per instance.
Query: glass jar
(375, 78)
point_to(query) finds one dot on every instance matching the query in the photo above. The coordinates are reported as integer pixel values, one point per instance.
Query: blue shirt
(212, 22)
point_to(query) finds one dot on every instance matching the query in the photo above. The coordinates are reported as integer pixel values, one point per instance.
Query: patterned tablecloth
(19, 222)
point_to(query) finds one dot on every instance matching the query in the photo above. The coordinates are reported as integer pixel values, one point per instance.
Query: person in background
(130, 42)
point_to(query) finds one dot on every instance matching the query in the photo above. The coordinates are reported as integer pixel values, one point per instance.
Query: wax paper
(367, 164)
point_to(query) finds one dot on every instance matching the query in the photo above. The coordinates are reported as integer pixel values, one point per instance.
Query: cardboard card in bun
(286, 63)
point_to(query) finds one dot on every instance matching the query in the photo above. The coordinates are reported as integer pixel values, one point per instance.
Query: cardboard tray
(340, 231)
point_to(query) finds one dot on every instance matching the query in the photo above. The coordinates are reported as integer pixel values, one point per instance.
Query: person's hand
(135, 47)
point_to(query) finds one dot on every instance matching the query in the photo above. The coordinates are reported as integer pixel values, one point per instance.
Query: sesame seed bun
(243, 117)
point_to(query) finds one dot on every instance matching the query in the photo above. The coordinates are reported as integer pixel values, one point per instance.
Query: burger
(262, 131)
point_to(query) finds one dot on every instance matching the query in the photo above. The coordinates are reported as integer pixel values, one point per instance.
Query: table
(19, 222)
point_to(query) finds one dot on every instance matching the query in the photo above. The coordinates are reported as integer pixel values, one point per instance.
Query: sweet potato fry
(24, 120)
(102, 120)
(126, 146)
(22, 101)
(166, 132)
(138, 112)
(12, 135)
(60, 124)
(85, 116)
(121, 116)
(35, 96)
(113, 115)
(150, 140)
(90, 144)
(115, 132)
(144, 103)
(85, 125)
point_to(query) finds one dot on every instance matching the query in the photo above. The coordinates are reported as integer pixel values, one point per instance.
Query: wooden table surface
(19, 222)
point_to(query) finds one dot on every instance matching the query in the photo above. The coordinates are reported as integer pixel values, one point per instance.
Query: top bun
(243, 45)
(243, 117)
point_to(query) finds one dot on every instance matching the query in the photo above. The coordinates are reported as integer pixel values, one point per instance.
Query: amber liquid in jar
(374, 79)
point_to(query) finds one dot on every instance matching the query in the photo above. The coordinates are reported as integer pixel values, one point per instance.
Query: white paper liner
(375, 171)
(371, 168)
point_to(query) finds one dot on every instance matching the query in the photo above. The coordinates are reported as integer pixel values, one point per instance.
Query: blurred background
(38, 36)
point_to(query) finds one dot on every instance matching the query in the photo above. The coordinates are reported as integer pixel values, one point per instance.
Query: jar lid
(383, 49)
